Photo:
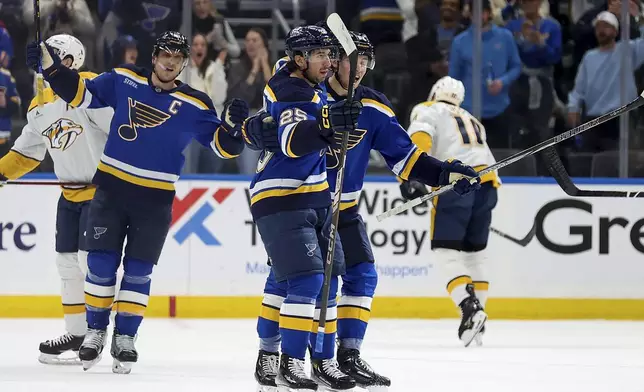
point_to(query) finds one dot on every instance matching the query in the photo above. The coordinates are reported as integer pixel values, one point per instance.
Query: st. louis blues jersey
(149, 131)
(74, 138)
(378, 129)
(295, 177)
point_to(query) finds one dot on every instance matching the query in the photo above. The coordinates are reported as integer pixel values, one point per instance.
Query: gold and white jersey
(446, 131)
(75, 139)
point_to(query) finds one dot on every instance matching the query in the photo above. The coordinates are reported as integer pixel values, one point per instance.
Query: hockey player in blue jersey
(377, 129)
(291, 202)
(155, 118)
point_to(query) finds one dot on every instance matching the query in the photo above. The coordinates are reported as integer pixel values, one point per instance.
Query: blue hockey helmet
(172, 42)
(303, 39)
(364, 46)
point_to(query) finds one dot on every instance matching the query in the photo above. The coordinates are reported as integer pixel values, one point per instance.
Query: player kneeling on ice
(75, 139)
(377, 129)
(155, 118)
(460, 225)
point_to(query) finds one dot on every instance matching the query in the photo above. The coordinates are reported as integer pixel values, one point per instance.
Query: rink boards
(551, 256)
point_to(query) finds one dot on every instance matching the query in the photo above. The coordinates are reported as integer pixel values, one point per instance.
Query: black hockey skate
(123, 352)
(266, 370)
(473, 317)
(353, 365)
(327, 374)
(291, 376)
(51, 350)
(91, 349)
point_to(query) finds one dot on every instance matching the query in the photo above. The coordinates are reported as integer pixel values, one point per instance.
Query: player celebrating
(75, 139)
(291, 203)
(155, 118)
(378, 129)
(460, 225)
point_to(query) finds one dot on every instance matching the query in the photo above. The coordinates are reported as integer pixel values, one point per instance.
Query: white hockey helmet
(66, 45)
(449, 90)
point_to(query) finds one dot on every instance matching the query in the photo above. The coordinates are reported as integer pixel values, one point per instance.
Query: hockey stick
(40, 83)
(559, 173)
(46, 183)
(634, 104)
(340, 31)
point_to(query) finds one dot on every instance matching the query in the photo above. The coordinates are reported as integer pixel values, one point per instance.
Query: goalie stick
(559, 173)
(337, 27)
(634, 104)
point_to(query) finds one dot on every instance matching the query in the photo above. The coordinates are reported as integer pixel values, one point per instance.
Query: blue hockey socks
(100, 286)
(268, 327)
(296, 314)
(133, 295)
(331, 326)
(354, 309)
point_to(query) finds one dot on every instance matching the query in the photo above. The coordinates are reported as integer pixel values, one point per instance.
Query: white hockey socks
(456, 273)
(474, 261)
(72, 292)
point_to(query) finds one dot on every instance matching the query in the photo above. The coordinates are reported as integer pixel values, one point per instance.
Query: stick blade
(339, 29)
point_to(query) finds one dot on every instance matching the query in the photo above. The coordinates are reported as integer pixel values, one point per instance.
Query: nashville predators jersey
(74, 138)
(447, 131)
(295, 177)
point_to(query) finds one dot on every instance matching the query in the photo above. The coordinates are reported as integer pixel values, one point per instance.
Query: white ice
(418, 355)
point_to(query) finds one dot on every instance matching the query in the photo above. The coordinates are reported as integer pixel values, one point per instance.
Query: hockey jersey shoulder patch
(376, 100)
(87, 75)
(284, 88)
(48, 97)
(193, 97)
(137, 74)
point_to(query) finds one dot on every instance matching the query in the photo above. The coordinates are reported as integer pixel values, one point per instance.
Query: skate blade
(322, 388)
(478, 339)
(266, 388)
(119, 367)
(478, 320)
(52, 359)
(375, 388)
(89, 364)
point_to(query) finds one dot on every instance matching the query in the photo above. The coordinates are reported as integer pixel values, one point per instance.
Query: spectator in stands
(209, 77)
(124, 51)
(597, 85)
(204, 74)
(584, 33)
(246, 80)
(539, 43)
(64, 17)
(207, 21)
(248, 76)
(426, 65)
(501, 66)
(9, 105)
(450, 24)
(6, 47)
(143, 21)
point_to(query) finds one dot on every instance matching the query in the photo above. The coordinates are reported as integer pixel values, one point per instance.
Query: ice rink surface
(419, 355)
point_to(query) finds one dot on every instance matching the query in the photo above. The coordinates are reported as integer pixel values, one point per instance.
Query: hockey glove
(42, 54)
(234, 114)
(260, 133)
(411, 190)
(341, 116)
(466, 177)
